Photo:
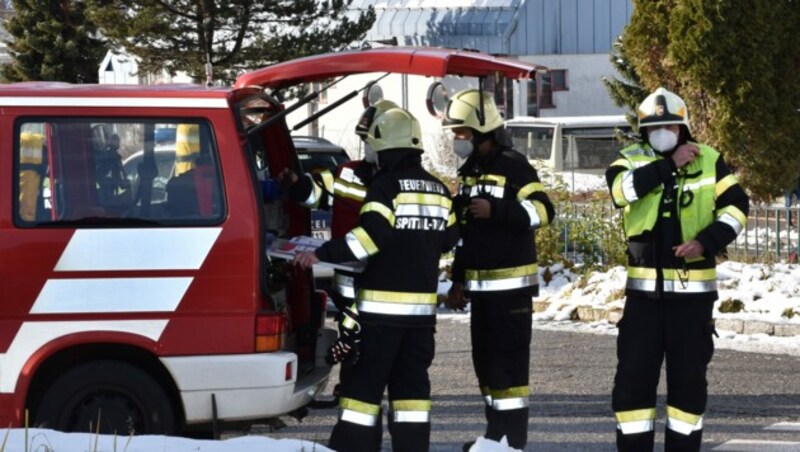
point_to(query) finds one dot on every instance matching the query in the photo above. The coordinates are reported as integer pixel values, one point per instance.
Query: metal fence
(771, 234)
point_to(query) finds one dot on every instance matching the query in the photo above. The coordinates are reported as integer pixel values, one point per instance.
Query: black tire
(127, 399)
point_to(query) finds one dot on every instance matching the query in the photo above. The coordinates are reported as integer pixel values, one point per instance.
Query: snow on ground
(768, 293)
(51, 440)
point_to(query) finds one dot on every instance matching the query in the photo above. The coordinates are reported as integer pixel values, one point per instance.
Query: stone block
(758, 327)
(600, 314)
(735, 325)
(787, 329)
(614, 316)
(586, 314)
(540, 306)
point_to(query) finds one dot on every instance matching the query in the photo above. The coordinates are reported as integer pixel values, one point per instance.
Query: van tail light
(270, 332)
(289, 373)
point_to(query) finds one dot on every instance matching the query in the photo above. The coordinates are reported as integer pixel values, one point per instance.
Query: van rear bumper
(247, 387)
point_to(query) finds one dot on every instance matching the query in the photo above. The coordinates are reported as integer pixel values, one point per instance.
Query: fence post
(778, 233)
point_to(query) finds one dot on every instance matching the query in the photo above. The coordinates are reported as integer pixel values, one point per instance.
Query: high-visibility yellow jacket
(709, 206)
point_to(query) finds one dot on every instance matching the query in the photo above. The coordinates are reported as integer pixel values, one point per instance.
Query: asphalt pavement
(754, 400)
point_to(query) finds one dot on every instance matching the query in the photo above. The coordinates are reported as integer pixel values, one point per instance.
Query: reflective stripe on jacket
(699, 185)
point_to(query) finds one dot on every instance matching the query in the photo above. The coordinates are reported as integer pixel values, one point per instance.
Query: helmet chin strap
(478, 139)
(481, 113)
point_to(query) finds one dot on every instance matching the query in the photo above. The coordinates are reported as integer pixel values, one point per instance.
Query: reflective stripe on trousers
(682, 422)
(506, 399)
(415, 411)
(357, 412)
(501, 278)
(636, 421)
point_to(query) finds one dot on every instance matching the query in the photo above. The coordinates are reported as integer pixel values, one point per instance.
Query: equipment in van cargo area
(586, 144)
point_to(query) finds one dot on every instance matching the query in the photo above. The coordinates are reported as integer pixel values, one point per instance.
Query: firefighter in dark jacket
(406, 224)
(500, 203)
(682, 207)
(347, 187)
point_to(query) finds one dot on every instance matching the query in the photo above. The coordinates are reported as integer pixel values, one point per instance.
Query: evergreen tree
(626, 92)
(736, 63)
(746, 55)
(52, 40)
(234, 35)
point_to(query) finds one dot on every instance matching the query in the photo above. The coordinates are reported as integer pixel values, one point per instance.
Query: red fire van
(146, 302)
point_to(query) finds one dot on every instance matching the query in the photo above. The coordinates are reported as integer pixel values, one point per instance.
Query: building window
(541, 87)
(532, 99)
(558, 79)
(501, 87)
(545, 90)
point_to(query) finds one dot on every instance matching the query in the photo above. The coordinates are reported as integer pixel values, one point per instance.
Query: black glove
(347, 348)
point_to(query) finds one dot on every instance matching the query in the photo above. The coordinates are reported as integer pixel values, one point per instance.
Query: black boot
(678, 442)
(636, 442)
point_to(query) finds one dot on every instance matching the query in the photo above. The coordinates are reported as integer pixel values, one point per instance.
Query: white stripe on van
(34, 335)
(137, 249)
(105, 295)
(166, 102)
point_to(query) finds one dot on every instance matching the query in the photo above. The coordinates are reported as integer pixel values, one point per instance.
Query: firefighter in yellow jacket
(682, 207)
(500, 203)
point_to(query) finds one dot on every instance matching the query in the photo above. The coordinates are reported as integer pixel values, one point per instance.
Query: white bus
(585, 144)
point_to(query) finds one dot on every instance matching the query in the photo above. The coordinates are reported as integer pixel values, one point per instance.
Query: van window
(536, 143)
(93, 172)
(595, 147)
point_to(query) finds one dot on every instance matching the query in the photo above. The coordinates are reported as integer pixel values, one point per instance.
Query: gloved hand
(455, 297)
(347, 348)
(287, 181)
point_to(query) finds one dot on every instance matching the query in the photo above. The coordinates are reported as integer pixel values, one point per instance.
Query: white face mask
(463, 148)
(662, 140)
(369, 154)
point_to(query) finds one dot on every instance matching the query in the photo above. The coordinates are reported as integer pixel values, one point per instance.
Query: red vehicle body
(163, 314)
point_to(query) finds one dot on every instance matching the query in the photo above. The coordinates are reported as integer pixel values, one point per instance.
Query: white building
(122, 69)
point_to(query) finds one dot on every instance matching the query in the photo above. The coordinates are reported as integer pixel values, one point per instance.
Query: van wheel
(123, 398)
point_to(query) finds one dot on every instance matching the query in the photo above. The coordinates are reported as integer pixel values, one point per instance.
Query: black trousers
(396, 358)
(500, 327)
(650, 331)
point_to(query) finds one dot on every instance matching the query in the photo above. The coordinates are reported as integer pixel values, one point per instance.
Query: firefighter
(405, 224)
(500, 203)
(30, 174)
(187, 147)
(347, 188)
(682, 207)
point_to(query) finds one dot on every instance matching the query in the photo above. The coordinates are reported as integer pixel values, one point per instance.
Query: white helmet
(464, 110)
(392, 128)
(661, 108)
